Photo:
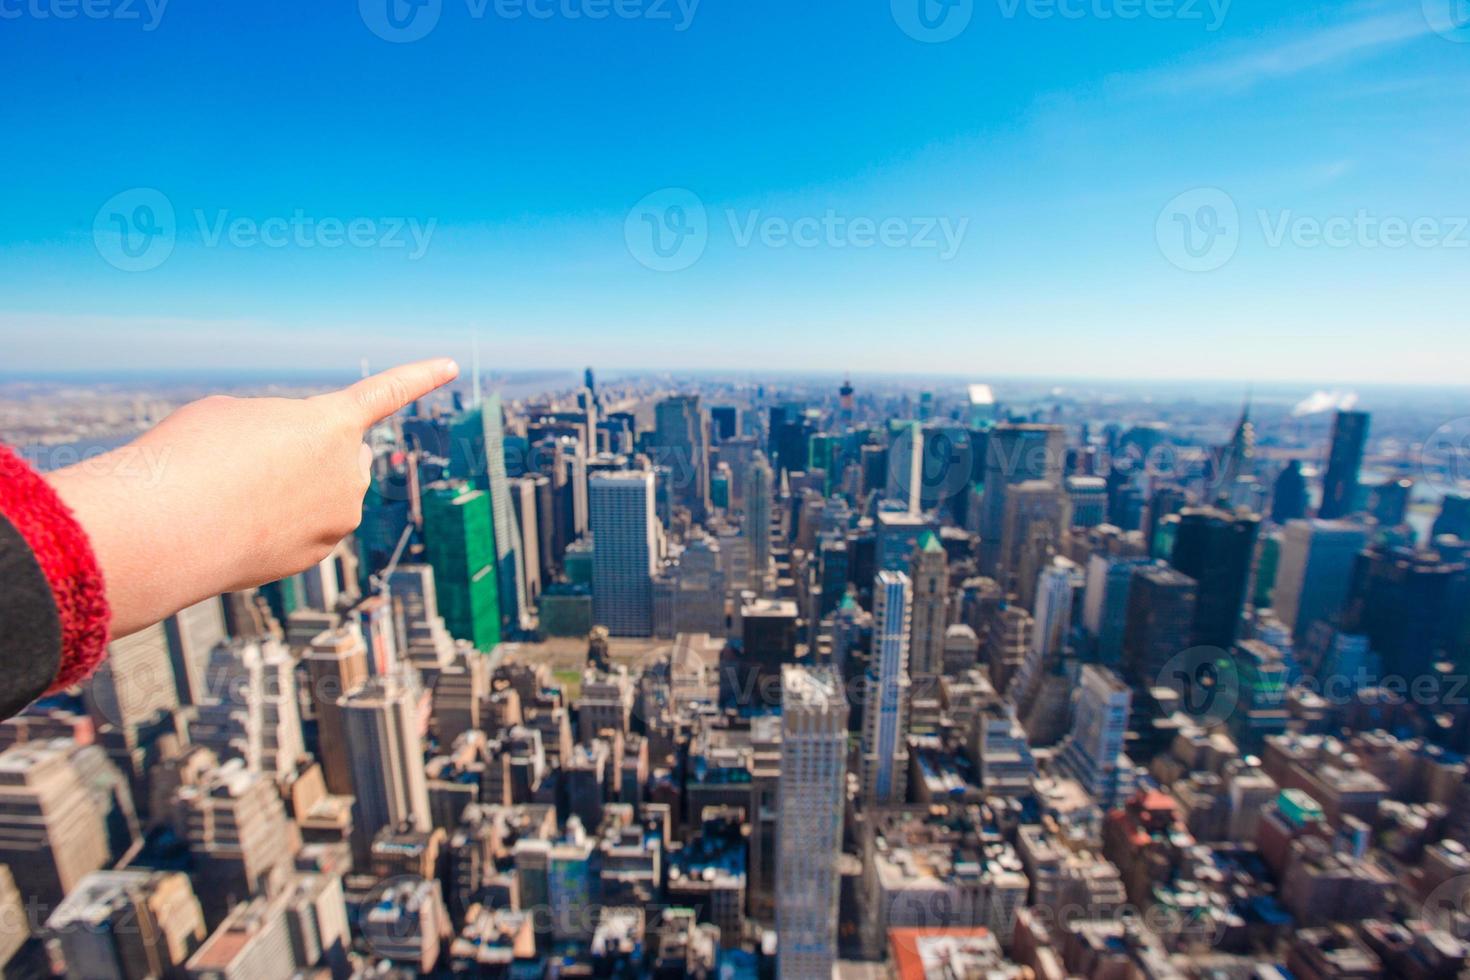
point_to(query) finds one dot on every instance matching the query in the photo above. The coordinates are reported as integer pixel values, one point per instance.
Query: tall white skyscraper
(624, 551)
(886, 695)
(1056, 588)
(380, 720)
(810, 799)
(759, 487)
(1093, 753)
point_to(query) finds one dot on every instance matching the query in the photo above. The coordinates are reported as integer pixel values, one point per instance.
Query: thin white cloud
(1363, 36)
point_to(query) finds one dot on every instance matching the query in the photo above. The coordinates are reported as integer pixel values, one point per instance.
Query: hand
(228, 493)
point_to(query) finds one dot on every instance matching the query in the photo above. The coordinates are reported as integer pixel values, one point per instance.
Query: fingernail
(451, 369)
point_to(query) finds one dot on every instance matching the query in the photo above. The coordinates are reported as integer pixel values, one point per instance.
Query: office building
(681, 438)
(1315, 572)
(1089, 497)
(239, 836)
(1216, 548)
(128, 925)
(1159, 624)
(1105, 604)
(135, 684)
(458, 532)
(899, 534)
(381, 720)
(1037, 513)
(886, 695)
(1015, 453)
(1344, 459)
(477, 453)
(810, 802)
(905, 486)
(1093, 753)
(929, 574)
(756, 528)
(192, 633)
(336, 665)
(624, 551)
(1289, 494)
(52, 834)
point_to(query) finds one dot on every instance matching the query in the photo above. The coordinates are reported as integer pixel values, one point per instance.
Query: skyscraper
(135, 683)
(1056, 589)
(1037, 512)
(759, 487)
(1215, 548)
(477, 453)
(381, 720)
(1014, 454)
(192, 633)
(524, 495)
(239, 835)
(336, 664)
(1340, 483)
(1093, 754)
(899, 534)
(624, 551)
(1105, 604)
(1411, 606)
(51, 832)
(885, 699)
(681, 433)
(810, 800)
(461, 544)
(1161, 606)
(1289, 495)
(930, 576)
(118, 925)
(905, 486)
(1315, 572)
(252, 713)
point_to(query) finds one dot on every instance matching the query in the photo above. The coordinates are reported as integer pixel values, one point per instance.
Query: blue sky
(1003, 193)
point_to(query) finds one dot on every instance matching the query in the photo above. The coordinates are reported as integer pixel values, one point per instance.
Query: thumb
(373, 399)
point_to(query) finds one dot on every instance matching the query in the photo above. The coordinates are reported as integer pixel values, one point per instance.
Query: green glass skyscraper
(477, 454)
(461, 545)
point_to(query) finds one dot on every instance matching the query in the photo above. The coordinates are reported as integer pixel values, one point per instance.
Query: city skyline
(1033, 187)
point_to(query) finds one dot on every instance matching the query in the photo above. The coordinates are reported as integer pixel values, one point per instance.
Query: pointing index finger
(373, 399)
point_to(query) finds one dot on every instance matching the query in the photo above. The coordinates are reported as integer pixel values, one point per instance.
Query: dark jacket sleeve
(30, 630)
(53, 606)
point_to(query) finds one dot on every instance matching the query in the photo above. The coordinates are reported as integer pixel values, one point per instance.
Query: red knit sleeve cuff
(64, 554)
